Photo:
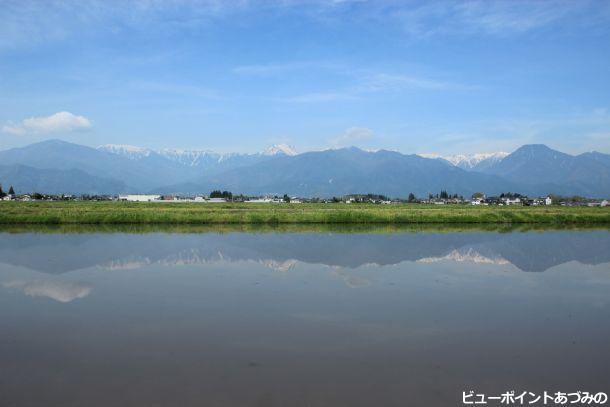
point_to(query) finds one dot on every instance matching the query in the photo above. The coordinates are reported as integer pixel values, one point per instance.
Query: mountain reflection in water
(531, 251)
(300, 318)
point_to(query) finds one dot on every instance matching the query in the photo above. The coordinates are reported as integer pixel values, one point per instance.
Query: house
(139, 198)
(492, 200)
(534, 202)
(216, 200)
(604, 203)
(478, 198)
(548, 200)
(7, 198)
(511, 201)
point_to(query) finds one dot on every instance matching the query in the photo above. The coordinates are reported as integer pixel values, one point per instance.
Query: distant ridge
(531, 169)
(52, 181)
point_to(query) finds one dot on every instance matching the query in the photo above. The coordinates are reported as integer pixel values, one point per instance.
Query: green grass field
(116, 213)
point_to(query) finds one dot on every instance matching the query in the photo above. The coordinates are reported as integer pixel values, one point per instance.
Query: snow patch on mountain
(280, 149)
(470, 161)
(129, 151)
(191, 158)
(468, 255)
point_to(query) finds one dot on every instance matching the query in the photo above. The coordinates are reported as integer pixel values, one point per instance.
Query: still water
(300, 318)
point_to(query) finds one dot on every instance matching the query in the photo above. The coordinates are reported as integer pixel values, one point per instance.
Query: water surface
(300, 318)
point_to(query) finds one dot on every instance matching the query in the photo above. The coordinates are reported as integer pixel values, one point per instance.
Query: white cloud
(353, 135)
(64, 122)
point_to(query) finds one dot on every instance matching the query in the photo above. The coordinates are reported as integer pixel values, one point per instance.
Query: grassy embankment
(117, 213)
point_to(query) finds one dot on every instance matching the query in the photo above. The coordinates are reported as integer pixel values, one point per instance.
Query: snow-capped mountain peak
(133, 152)
(190, 158)
(280, 149)
(470, 161)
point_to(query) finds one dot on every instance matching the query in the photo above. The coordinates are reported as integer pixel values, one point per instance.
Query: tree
(411, 197)
(286, 198)
(2, 194)
(511, 195)
(221, 194)
(11, 191)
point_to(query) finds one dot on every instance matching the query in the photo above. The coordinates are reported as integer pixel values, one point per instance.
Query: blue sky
(419, 77)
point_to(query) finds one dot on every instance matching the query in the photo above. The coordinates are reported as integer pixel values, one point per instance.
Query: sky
(441, 77)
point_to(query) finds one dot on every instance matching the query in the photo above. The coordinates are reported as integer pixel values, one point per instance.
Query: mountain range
(204, 160)
(55, 166)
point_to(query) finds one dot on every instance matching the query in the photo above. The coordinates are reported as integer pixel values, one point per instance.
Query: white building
(604, 203)
(512, 201)
(548, 200)
(216, 200)
(139, 198)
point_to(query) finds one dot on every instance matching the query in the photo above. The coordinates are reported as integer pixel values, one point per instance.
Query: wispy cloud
(59, 122)
(573, 133)
(32, 22)
(283, 68)
(319, 97)
(498, 18)
(383, 82)
(365, 84)
(27, 22)
(352, 136)
(175, 88)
